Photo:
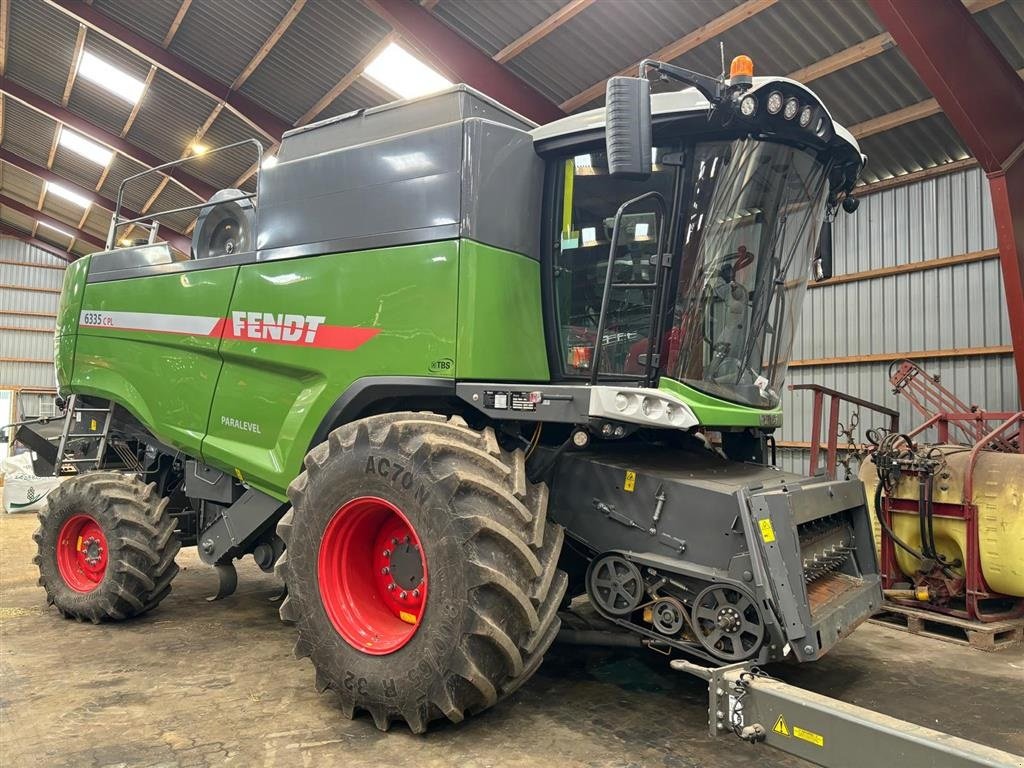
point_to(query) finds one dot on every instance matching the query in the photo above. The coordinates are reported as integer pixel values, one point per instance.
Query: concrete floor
(205, 684)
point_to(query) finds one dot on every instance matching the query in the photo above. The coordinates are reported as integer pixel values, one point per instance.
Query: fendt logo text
(268, 326)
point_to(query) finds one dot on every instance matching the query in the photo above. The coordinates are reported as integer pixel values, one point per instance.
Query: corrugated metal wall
(27, 316)
(951, 307)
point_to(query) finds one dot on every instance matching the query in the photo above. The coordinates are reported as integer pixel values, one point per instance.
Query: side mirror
(628, 127)
(823, 254)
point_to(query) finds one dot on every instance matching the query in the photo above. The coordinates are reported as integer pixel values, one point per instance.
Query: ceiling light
(197, 148)
(67, 194)
(55, 229)
(268, 162)
(90, 150)
(402, 73)
(111, 78)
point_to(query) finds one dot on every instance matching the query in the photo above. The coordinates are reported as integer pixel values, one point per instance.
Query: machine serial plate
(509, 401)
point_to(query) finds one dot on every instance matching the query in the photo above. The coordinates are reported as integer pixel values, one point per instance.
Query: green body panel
(501, 326)
(250, 403)
(714, 412)
(165, 379)
(282, 392)
(68, 312)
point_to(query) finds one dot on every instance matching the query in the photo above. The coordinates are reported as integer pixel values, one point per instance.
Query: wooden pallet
(991, 636)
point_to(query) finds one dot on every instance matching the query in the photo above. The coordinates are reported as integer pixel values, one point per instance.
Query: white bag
(23, 491)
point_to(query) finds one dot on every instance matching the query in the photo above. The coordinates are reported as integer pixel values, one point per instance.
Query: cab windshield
(748, 218)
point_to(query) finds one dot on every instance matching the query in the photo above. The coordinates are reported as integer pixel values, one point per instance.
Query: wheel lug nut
(391, 587)
(385, 571)
(394, 542)
(415, 593)
(403, 594)
(386, 553)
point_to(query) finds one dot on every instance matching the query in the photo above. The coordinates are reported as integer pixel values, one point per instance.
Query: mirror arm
(713, 88)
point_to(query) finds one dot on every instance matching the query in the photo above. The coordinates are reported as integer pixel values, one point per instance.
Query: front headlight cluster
(808, 116)
(650, 407)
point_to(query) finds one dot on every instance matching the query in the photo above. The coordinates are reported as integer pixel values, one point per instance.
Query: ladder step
(85, 434)
(92, 410)
(80, 461)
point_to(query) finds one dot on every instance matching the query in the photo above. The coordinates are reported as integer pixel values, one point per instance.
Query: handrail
(116, 222)
(606, 295)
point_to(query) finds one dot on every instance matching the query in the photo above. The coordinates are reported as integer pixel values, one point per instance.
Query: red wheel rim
(373, 575)
(81, 553)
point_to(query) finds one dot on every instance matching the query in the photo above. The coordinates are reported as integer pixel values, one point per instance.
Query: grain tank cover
(459, 102)
(449, 165)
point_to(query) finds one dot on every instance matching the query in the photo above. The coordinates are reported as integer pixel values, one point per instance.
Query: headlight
(792, 105)
(805, 116)
(652, 408)
(621, 402)
(748, 106)
(774, 102)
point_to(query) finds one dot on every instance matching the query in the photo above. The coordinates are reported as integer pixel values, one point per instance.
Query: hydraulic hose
(885, 526)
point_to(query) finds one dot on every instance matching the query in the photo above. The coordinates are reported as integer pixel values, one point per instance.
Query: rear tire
(489, 562)
(106, 547)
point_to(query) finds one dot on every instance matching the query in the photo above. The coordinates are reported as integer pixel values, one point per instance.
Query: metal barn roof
(220, 71)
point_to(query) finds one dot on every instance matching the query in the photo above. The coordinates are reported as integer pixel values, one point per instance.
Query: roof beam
(176, 239)
(176, 23)
(9, 231)
(260, 118)
(887, 122)
(460, 60)
(866, 49)
(75, 60)
(845, 58)
(966, 86)
(674, 50)
(542, 30)
(5, 25)
(269, 43)
(56, 112)
(45, 218)
(138, 104)
(343, 85)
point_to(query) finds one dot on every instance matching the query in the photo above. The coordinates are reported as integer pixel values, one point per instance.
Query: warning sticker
(630, 482)
(780, 726)
(814, 738)
(767, 532)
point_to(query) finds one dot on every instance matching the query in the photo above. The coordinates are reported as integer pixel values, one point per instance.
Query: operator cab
(719, 193)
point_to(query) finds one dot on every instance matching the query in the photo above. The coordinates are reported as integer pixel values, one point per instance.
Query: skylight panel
(402, 73)
(110, 78)
(59, 230)
(88, 149)
(67, 194)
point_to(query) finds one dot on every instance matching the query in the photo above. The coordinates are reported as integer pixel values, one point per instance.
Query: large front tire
(106, 547)
(478, 568)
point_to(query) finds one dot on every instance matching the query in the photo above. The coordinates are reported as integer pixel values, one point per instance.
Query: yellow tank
(999, 497)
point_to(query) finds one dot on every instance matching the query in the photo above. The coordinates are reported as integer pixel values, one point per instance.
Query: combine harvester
(446, 370)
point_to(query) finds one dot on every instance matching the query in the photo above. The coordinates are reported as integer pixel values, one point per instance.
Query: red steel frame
(835, 398)
(983, 97)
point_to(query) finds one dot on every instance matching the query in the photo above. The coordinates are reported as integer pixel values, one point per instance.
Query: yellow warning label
(408, 618)
(814, 738)
(780, 726)
(630, 482)
(92, 425)
(767, 532)
(238, 474)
